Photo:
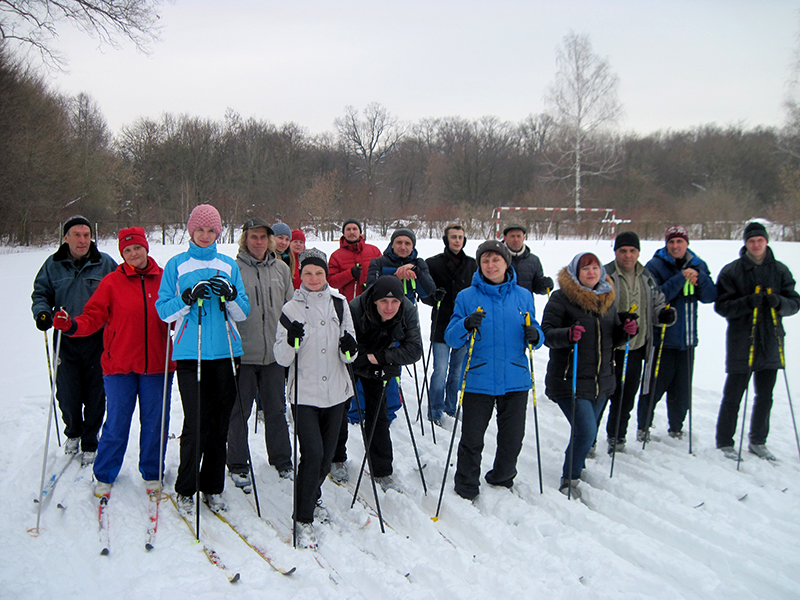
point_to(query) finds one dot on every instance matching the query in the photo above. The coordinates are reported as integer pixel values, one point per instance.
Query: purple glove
(575, 332)
(630, 327)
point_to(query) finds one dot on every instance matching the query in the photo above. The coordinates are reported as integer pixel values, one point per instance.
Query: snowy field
(669, 524)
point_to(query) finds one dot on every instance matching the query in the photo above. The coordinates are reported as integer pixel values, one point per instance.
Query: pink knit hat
(204, 215)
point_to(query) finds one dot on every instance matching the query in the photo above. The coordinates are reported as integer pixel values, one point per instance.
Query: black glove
(347, 343)
(294, 332)
(439, 294)
(754, 300)
(772, 301)
(191, 295)
(355, 272)
(222, 287)
(628, 316)
(531, 334)
(548, 282)
(474, 320)
(390, 372)
(667, 316)
(44, 321)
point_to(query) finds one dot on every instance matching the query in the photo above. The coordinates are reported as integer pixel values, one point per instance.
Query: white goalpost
(554, 222)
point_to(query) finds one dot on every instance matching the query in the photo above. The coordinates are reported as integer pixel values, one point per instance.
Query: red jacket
(345, 258)
(135, 338)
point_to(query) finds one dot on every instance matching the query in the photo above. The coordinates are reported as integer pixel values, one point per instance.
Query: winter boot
(321, 513)
(592, 450)
(87, 458)
(729, 452)
(242, 481)
(102, 489)
(642, 435)
(306, 538)
(617, 445)
(71, 445)
(339, 473)
(215, 502)
(152, 486)
(570, 488)
(286, 474)
(387, 483)
(760, 450)
(185, 504)
(678, 435)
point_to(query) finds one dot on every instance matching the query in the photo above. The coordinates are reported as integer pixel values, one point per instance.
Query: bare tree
(584, 102)
(34, 24)
(369, 140)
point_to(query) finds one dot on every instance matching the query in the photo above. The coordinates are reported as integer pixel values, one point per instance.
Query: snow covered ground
(667, 525)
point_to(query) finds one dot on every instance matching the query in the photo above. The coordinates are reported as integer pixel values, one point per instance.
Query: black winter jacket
(736, 281)
(452, 278)
(567, 306)
(530, 273)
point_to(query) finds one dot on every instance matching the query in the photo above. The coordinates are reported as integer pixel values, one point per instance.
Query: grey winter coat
(323, 377)
(269, 286)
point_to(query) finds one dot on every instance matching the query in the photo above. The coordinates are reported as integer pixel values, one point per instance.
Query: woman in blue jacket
(202, 279)
(494, 307)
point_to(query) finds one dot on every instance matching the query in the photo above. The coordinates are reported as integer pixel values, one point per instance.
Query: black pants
(340, 455)
(218, 393)
(380, 451)
(476, 412)
(626, 397)
(79, 388)
(317, 430)
(674, 378)
(267, 383)
(735, 385)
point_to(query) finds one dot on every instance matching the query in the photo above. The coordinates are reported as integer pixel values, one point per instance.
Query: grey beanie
(495, 246)
(312, 256)
(281, 229)
(405, 231)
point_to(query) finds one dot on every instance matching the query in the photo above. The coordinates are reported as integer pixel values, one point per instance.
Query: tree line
(58, 158)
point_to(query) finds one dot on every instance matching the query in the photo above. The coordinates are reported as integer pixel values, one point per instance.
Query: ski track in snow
(667, 525)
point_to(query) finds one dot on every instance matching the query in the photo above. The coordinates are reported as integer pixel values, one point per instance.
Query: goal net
(558, 223)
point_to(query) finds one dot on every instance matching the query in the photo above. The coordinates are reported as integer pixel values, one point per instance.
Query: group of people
(333, 334)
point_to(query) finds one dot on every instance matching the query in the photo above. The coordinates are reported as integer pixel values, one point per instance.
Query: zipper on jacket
(146, 345)
(599, 357)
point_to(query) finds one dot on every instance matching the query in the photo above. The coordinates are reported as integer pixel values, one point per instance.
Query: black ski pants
(267, 383)
(626, 397)
(218, 394)
(79, 388)
(476, 412)
(380, 451)
(674, 378)
(317, 431)
(735, 385)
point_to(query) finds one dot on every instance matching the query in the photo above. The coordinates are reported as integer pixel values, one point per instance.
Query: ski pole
(47, 435)
(162, 440)
(535, 410)
(572, 421)
(224, 309)
(455, 423)
(411, 433)
(197, 420)
(368, 439)
(654, 388)
(364, 439)
(749, 373)
(50, 374)
(294, 452)
(419, 399)
(785, 377)
(621, 400)
(690, 361)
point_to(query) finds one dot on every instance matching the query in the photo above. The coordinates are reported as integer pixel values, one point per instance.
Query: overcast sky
(680, 63)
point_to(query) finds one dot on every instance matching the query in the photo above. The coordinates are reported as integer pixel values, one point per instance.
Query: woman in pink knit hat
(203, 281)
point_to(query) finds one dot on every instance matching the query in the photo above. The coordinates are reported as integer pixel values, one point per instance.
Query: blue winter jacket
(670, 279)
(499, 364)
(183, 272)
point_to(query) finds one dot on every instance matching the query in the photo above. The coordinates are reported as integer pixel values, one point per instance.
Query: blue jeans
(587, 413)
(448, 366)
(121, 393)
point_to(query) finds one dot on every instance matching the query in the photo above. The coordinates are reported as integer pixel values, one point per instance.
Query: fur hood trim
(598, 304)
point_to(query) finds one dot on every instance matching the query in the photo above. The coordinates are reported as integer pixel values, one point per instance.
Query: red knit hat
(130, 236)
(204, 215)
(297, 234)
(676, 231)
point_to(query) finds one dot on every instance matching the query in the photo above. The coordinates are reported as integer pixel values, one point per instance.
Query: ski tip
(105, 552)
(148, 546)
(234, 578)
(290, 571)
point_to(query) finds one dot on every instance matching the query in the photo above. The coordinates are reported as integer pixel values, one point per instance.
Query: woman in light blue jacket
(202, 279)
(495, 308)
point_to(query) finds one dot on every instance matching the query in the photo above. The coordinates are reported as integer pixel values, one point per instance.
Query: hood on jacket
(589, 300)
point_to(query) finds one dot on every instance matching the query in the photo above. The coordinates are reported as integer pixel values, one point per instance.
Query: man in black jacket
(754, 293)
(530, 274)
(452, 271)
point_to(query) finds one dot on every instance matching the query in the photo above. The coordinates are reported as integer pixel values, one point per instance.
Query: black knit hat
(405, 231)
(755, 229)
(387, 286)
(514, 226)
(346, 223)
(77, 220)
(312, 256)
(495, 246)
(626, 238)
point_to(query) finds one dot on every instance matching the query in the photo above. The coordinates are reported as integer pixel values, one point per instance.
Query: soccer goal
(558, 223)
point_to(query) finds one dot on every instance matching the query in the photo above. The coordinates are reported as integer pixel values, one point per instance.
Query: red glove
(575, 332)
(61, 321)
(630, 327)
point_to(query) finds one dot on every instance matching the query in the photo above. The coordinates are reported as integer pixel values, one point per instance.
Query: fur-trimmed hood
(598, 304)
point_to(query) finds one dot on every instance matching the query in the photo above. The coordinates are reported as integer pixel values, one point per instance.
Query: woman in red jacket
(133, 361)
